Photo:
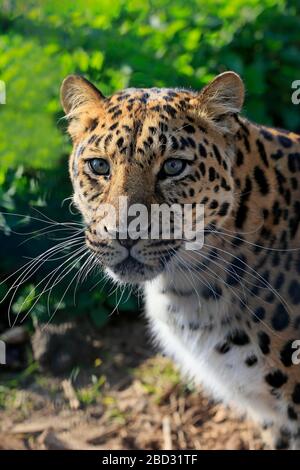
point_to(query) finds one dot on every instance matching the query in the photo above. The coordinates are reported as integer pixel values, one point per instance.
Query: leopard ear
(81, 101)
(222, 97)
(77, 93)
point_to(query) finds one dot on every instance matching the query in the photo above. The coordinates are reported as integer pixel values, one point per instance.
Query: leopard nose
(127, 242)
(123, 238)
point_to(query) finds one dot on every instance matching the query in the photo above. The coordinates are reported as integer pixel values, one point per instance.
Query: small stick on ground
(70, 394)
(167, 436)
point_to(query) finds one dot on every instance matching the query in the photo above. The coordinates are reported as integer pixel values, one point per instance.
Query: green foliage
(118, 44)
(88, 395)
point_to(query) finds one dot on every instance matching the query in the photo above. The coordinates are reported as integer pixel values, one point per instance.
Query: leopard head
(152, 146)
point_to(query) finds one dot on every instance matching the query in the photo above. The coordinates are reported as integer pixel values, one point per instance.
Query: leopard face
(154, 146)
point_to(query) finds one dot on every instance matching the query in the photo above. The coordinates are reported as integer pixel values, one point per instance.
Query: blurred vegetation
(118, 44)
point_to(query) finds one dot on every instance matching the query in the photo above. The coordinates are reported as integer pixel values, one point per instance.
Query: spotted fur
(228, 313)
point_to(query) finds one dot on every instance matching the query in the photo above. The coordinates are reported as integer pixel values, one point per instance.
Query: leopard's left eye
(173, 167)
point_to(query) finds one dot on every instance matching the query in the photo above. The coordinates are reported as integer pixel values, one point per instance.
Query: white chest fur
(189, 329)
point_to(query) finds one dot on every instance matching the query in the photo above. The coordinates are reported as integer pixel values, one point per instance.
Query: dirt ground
(129, 397)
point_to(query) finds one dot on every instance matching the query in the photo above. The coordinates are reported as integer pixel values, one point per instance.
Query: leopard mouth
(132, 271)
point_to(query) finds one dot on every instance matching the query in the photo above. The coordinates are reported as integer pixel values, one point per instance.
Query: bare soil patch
(128, 397)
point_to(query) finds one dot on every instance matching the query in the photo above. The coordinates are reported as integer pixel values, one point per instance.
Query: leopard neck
(265, 172)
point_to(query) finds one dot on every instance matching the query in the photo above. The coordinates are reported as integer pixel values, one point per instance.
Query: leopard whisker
(252, 243)
(257, 275)
(30, 265)
(66, 290)
(215, 276)
(45, 289)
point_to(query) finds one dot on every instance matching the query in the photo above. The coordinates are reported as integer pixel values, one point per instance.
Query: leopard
(227, 313)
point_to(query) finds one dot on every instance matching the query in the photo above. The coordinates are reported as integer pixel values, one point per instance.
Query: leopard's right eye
(172, 167)
(99, 166)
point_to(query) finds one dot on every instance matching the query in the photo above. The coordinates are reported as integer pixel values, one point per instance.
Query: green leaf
(24, 300)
